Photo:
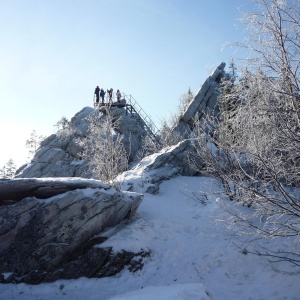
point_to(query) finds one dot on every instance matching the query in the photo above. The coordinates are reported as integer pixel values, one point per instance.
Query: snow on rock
(131, 127)
(204, 101)
(49, 233)
(191, 256)
(154, 169)
(59, 154)
(20, 188)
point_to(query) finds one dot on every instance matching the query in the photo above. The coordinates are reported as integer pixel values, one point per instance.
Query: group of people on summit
(100, 93)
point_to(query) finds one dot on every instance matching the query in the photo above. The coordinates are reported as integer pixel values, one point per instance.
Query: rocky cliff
(205, 101)
(54, 229)
(180, 159)
(59, 154)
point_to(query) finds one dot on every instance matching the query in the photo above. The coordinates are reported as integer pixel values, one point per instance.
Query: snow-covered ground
(192, 257)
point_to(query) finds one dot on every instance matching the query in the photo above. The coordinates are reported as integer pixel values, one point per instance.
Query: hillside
(188, 255)
(192, 257)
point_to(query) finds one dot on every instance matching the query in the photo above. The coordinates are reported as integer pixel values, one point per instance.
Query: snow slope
(192, 256)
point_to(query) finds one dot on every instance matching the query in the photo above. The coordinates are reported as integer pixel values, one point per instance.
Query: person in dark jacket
(97, 91)
(102, 94)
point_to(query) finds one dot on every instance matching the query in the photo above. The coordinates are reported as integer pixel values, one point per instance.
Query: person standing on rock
(110, 94)
(97, 91)
(118, 96)
(102, 94)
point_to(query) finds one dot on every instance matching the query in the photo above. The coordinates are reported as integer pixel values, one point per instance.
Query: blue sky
(54, 52)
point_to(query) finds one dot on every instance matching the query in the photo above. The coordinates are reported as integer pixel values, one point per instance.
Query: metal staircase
(132, 107)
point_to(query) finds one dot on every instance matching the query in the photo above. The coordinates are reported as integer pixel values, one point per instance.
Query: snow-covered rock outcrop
(131, 128)
(204, 101)
(51, 230)
(181, 159)
(59, 154)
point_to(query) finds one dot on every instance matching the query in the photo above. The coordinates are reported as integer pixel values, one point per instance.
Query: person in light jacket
(118, 96)
(110, 94)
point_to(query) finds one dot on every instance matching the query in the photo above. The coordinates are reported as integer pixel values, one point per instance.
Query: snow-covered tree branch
(253, 146)
(103, 148)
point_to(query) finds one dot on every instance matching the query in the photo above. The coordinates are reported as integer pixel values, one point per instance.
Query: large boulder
(50, 231)
(205, 101)
(18, 189)
(180, 159)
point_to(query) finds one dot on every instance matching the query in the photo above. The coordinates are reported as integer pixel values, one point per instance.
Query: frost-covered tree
(255, 153)
(273, 38)
(8, 170)
(254, 145)
(184, 101)
(3, 172)
(233, 69)
(103, 148)
(33, 143)
(167, 137)
(149, 146)
(62, 125)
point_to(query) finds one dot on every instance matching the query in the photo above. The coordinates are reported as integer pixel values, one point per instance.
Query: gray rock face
(59, 154)
(169, 162)
(53, 238)
(204, 101)
(130, 128)
(18, 189)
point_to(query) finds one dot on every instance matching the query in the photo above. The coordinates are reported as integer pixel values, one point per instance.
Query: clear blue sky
(54, 52)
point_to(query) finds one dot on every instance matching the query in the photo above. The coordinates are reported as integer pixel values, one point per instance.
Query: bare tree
(63, 124)
(103, 148)
(254, 145)
(149, 147)
(3, 172)
(8, 170)
(167, 136)
(233, 68)
(274, 38)
(184, 101)
(33, 143)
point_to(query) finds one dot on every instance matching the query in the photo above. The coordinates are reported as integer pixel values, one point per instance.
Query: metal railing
(132, 106)
(142, 114)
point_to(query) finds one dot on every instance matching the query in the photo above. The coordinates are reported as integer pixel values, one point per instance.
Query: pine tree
(185, 100)
(8, 170)
(63, 124)
(233, 68)
(3, 172)
(33, 143)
